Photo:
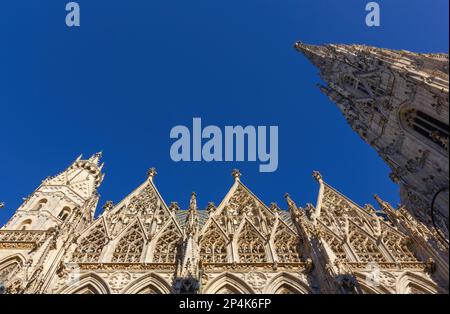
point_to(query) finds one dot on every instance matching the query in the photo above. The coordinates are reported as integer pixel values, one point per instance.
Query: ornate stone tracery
(168, 245)
(90, 248)
(213, 246)
(241, 246)
(130, 247)
(287, 245)
(251, 248)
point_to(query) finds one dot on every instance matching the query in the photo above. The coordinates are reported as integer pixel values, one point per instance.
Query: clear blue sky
(136, 68)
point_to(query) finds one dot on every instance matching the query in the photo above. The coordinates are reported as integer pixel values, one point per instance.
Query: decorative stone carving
(256, 279)
(241, 245)
(119, 280)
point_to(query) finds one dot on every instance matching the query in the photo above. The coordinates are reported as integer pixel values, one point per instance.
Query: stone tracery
(166, 249)
(130, 247)
(91, 246)
(242, 246)
(251, 246)
(213, 247)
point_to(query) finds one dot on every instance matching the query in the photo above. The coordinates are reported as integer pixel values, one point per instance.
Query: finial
(274, 207)
(316, 175)
(299, 45)
(370, 209)
(385, 206)
(108, 205)
(2, 204)
(193, 202)
(236, 174)
(96, 158)
(378, 199)
(211, 207)
(151, 173)
(174, 207)
(291, 203)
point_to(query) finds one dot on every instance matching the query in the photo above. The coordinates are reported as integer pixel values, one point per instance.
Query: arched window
(366, 248)
(166, 249)
(8, 268)
(251, 247)
(40, 204)
(150, 289)
(213, 248)
(336, 246)
(427, 126)
(287, 289)
(25, 225)
(65, 212)
(286, 245)
(130, 247)
(91, 246)
(399, 248)
(227, 289)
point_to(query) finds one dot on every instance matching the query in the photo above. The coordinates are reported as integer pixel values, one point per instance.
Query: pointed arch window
(365, 248)
(286, 246)
(287, 289)
(91, 246)
(213, 248)
(130, 247)
(40, 204)
(428, 127)
(64, 213)
(26, 224)
(336, 246)
(166, 250)
(8, 269)
(399, 248)
(150, 289)
(251, 246)
(227, 289)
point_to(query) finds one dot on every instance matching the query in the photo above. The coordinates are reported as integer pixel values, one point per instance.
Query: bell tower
(58, 198)
(397, 101)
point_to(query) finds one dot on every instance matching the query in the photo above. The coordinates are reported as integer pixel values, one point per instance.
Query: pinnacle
(95, 158)
(236, 174)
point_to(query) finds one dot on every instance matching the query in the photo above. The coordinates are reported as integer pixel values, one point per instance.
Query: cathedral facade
(53, 244)
(397, 101)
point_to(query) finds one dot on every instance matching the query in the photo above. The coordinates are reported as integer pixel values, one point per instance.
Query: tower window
(428, 126)
(25, 225)
(40, 204)
(64, 213)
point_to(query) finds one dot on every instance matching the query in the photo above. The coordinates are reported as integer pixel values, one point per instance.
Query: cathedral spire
(397, 102)
(317, 55)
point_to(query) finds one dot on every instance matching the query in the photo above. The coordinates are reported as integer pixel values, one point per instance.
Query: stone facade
(53, 243)
(397, 101)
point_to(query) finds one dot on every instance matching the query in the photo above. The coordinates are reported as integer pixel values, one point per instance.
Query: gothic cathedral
(396, 101)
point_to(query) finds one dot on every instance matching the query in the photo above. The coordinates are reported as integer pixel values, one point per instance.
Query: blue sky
(134, 69)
